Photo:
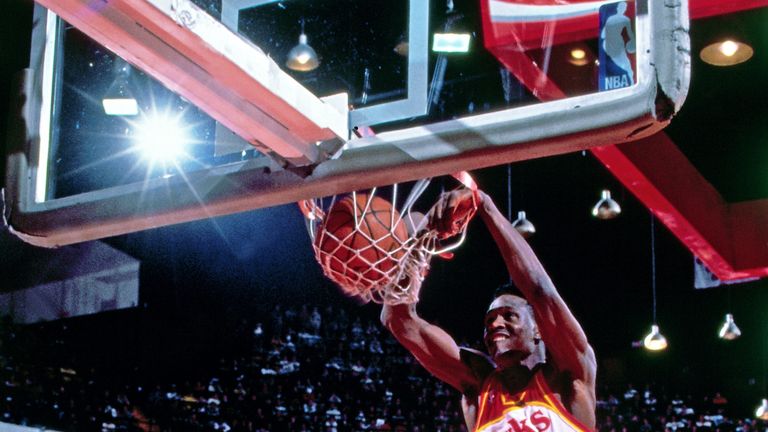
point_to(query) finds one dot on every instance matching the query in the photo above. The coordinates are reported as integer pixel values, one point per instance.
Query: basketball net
(392, 284)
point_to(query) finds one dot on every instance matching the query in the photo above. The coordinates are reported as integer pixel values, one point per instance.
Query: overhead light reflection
(578, 57)
(161, 137)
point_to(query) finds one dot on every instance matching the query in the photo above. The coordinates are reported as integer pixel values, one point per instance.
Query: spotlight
(161, 137)
(655, 341)
(726, 53)
(523, 225)
(606, 208)
(729, 330)
(762, 410)
(302, 57)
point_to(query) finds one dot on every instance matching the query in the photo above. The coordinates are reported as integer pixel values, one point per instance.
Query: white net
(370, 248)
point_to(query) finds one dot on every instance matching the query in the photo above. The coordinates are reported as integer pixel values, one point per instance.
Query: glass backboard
(137, 114)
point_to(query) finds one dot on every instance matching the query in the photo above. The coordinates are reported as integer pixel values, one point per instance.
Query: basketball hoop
(379, 253)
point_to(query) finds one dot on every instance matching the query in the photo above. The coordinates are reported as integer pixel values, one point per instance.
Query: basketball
(358, 244)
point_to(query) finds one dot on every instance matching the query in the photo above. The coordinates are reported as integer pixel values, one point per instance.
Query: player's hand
(452, 212)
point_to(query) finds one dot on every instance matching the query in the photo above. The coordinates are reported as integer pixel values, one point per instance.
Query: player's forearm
(524, 267)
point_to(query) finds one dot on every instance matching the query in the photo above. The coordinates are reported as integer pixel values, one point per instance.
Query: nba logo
(616, 46)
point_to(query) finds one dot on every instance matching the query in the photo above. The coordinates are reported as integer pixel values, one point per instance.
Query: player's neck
(518, 361)
(515, 378)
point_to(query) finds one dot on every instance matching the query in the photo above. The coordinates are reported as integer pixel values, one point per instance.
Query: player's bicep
(434, 349)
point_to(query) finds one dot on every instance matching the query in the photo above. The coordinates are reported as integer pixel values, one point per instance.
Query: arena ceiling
(701, 177)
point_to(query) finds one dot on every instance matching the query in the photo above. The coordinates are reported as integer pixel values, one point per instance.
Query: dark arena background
(236, 328)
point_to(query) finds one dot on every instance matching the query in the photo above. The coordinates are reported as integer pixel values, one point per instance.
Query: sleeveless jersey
(534, 409)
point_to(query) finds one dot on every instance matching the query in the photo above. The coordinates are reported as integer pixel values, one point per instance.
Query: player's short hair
(507, 288)
(510, 289)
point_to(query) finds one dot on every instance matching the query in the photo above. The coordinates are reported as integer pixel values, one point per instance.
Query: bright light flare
(729, 48)
(161, 137)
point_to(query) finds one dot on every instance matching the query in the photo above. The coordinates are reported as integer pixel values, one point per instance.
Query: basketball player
(516, 387)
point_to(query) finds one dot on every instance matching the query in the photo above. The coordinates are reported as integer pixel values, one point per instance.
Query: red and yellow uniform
(534, 409)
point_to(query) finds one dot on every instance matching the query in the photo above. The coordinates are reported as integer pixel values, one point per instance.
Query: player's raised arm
(563, 336)
(432, 346)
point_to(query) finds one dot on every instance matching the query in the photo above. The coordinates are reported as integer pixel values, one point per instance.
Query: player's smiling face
(509, 327)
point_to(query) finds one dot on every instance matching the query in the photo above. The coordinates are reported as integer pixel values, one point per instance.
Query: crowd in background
(298, 369)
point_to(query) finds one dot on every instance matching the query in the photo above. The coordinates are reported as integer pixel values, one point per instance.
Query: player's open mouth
(499, 337)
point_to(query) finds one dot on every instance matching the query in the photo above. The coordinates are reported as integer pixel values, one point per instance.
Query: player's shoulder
(479, 363)
(564, 382)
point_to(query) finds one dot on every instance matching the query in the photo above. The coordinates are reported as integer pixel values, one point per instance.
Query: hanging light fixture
(607, 207)
(729, 330)
(654, 341)
(762, 411)
(302, 57)
(726, 52)
(523, 225)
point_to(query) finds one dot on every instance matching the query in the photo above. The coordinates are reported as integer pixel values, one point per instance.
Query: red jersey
(534, 409)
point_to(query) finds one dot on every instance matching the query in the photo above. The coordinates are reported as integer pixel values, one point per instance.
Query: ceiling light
(302, 57)
(728, 48)
(161, 137)
(729, 330)
(451, 42)
(523, 225)
(578, 57)
(606, 208)
(726, 53)
(762, 410)
(655, 341)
